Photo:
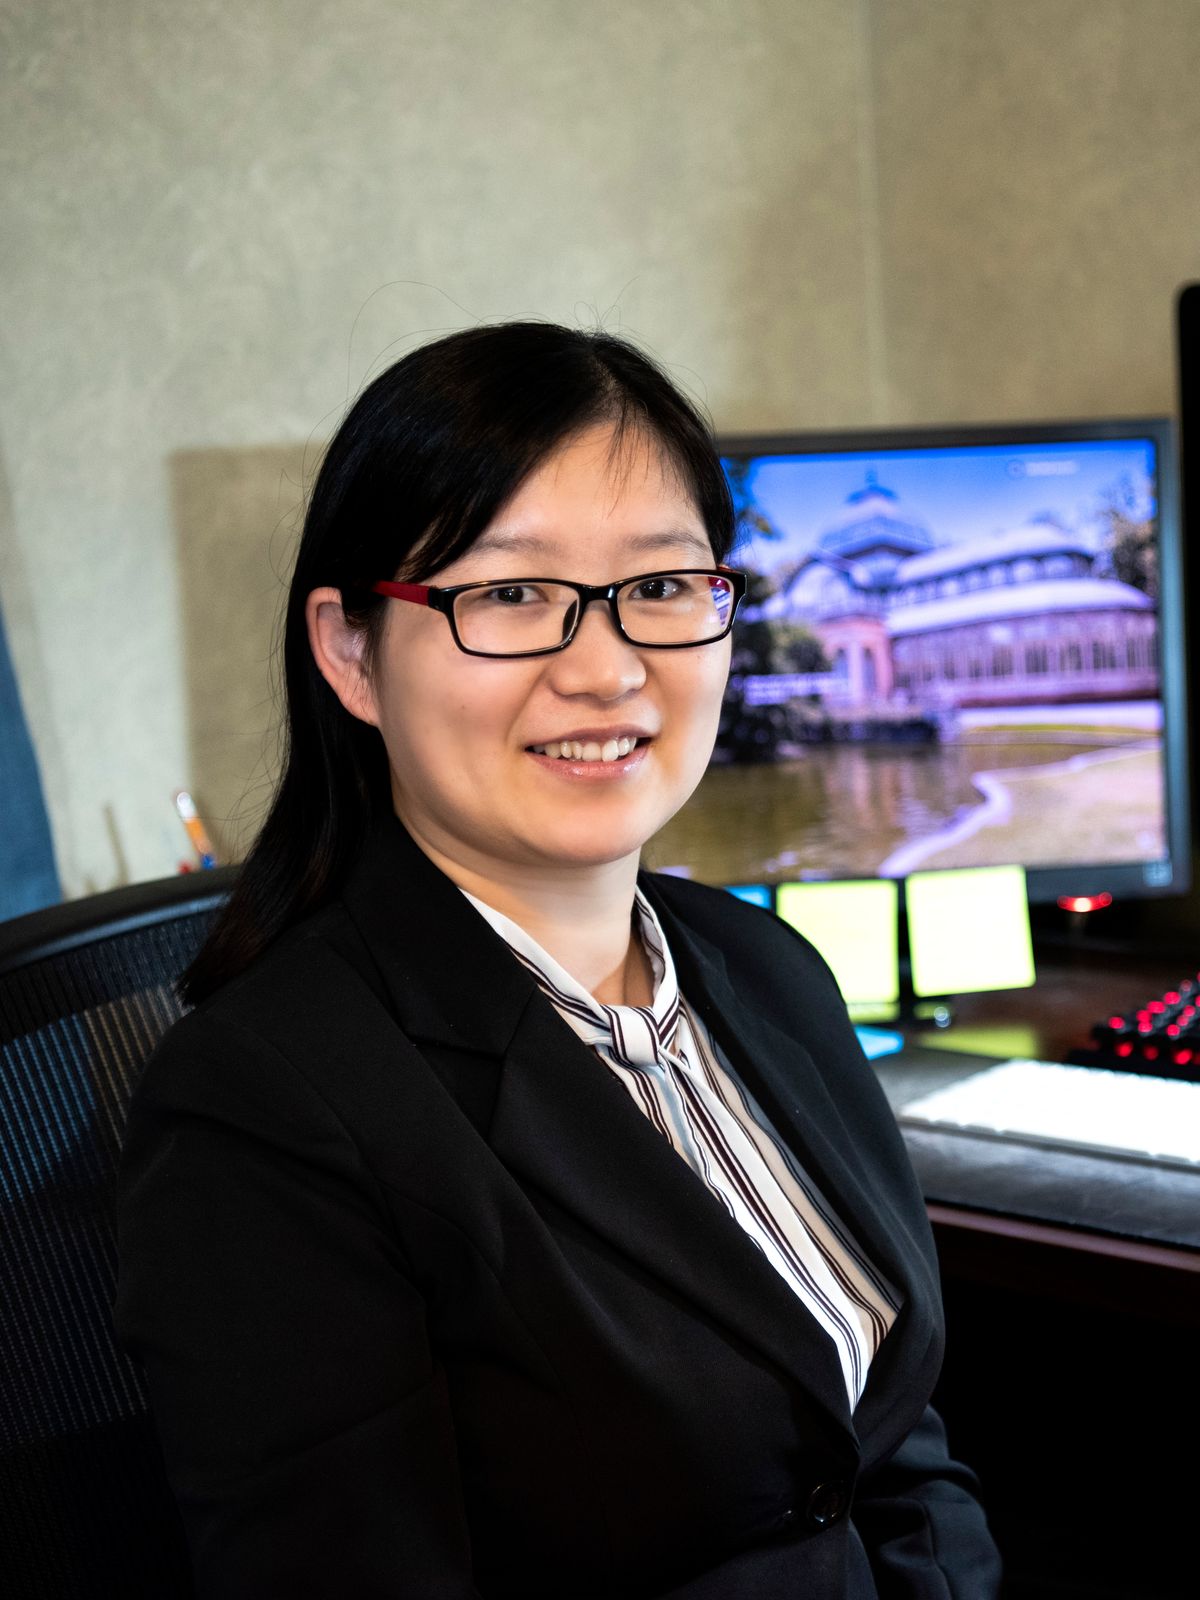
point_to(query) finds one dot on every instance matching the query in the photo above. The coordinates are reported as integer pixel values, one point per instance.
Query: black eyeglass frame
(442, 599)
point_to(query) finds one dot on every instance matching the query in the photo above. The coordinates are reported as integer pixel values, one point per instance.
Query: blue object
(879, 1042)
(756, 893)
(28, 874)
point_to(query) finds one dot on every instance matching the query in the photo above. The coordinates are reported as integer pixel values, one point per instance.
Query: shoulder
(771, 970)
(277, 1031)
(316, 957)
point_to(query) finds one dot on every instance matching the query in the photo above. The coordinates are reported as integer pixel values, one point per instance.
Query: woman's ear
(339, 649)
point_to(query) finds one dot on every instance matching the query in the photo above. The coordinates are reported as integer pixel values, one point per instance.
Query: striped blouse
(680, 1079)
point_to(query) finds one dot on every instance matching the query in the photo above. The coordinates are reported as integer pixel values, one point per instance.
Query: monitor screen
(958, 648)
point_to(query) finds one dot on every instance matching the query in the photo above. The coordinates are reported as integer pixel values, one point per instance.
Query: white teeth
(577, 750)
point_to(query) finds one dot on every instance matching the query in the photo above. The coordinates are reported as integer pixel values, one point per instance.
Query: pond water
(841, 810)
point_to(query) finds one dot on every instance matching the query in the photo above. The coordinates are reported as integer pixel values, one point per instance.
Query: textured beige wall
(1039, 202)
(236, 513)
(220, 219)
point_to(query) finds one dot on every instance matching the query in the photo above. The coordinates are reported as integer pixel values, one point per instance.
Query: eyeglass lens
(526, 615)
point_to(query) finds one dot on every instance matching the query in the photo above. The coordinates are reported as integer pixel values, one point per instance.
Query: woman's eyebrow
(513, 544)
(501, 543)
(672, 538)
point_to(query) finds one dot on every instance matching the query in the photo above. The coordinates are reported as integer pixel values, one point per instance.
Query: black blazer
(428, 1308)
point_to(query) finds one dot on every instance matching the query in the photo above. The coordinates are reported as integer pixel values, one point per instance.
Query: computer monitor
(1187, 346)
(960, 647)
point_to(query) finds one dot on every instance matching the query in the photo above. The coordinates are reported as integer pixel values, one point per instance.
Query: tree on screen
(1130, 542)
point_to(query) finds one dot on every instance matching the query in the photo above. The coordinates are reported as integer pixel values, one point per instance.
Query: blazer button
(827, 1503)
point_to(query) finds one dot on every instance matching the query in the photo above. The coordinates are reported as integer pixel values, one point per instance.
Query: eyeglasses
(536, 616)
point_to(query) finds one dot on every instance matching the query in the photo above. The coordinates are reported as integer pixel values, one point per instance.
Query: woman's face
(462, 732)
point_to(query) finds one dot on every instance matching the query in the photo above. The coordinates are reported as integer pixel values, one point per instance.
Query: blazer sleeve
(304, 1422)
(920, 1519)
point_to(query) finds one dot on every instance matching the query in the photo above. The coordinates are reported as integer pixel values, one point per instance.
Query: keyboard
(1161, 1037)
(1133, 1115)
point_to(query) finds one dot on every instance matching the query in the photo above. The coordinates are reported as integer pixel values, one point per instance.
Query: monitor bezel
(1125, 881)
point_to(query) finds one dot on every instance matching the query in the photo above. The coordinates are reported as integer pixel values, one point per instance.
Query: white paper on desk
(1080, 1107)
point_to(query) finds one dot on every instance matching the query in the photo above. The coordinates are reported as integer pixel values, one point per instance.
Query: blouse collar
(635, 1036)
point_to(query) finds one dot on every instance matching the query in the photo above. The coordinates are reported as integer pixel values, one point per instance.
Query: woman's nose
(598, 661)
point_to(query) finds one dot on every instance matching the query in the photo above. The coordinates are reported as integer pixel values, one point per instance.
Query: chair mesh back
(84, 1507)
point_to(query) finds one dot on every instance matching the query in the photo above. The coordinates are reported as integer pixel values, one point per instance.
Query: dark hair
(423, 461)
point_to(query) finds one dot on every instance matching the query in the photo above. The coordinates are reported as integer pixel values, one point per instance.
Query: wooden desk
(1072, 1292)
(1147, 1204)
(1075, 988)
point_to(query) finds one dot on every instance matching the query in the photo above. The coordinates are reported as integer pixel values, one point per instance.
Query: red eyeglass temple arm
(418, 592)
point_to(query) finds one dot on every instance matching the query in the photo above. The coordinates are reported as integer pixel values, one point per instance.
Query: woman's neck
(583, 918)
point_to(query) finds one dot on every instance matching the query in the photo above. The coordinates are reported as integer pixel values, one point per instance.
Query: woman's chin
(584, 848)
(587, 856)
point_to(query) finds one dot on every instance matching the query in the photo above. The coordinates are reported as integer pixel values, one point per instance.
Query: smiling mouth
(589, 750)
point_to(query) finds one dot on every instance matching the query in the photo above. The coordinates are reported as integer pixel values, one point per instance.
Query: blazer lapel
(568, 1128)
(794, 1095)
(562, 1124)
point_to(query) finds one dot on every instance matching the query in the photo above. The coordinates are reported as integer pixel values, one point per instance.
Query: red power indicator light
(1150, 1052)
(1157, 1007)
(1182, 1057)
(1084, 902)
(1172, 997)
(1126, 1049)
(1173, 1030)
(1116, 1022)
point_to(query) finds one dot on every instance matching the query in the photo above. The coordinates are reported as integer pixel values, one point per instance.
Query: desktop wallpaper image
(947, 657)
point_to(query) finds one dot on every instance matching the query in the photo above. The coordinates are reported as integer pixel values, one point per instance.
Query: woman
(503, 1222)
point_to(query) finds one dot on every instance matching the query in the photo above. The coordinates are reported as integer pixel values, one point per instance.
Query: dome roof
(1040, 536)
(1050, 597)
(874, 518)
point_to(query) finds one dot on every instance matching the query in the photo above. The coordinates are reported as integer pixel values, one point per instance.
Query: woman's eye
(512, 594)
(657, 589)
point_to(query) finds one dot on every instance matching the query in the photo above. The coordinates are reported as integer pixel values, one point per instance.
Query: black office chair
(86, 991)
